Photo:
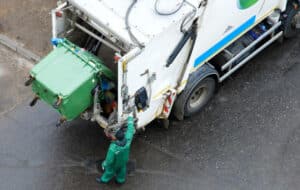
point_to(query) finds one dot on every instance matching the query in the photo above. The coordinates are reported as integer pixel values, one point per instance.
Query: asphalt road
(247, 138)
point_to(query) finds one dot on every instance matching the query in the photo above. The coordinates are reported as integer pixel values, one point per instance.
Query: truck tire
(290, 20)
(195, 97)
(199, 96)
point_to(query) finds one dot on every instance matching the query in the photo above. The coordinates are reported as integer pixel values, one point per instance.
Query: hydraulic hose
(167, 13)
(132, 36)
(186, 19)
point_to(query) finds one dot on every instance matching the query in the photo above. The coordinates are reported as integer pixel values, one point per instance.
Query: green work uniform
(117, 157)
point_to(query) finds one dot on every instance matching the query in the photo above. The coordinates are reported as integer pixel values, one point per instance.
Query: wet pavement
(248, 137)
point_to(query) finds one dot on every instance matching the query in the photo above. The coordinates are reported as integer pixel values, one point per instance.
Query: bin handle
(58, 102)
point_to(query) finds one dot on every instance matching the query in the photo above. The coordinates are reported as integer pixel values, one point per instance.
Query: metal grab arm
(97, 110)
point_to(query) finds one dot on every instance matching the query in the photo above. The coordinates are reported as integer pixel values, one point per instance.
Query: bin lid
(66, 68)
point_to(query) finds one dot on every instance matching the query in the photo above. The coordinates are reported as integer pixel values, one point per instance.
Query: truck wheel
(195, 97)
(199, 96)
(292, 16)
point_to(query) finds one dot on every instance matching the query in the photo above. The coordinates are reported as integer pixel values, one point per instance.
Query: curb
(19, 48)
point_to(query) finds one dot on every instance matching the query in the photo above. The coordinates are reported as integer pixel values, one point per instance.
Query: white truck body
(220, 23)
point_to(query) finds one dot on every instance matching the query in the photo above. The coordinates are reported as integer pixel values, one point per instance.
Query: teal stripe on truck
(225, 41)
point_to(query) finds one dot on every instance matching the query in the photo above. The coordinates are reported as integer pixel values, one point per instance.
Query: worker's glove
(103, 166)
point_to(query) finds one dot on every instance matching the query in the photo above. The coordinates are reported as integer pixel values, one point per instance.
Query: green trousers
(117, 157)
(110, 172)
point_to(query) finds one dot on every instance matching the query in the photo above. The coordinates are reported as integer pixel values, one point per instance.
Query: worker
(117, 156)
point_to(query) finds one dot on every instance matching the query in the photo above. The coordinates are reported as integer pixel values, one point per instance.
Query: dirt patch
(28, 22)
(13, 72)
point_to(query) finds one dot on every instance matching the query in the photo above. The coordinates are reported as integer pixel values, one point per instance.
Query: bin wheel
(292, 15)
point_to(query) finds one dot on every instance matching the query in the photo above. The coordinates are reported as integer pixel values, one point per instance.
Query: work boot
(98, 179)
(119, 183)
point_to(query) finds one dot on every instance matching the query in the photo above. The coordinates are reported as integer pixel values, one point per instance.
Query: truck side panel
(152, 63)
(225, 27)
(222, 23)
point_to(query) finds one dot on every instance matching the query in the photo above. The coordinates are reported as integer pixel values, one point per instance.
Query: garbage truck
(151, 58)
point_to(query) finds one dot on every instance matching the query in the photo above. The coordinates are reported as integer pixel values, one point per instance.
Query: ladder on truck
(247, 47)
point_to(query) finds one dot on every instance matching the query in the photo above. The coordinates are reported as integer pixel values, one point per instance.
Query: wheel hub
(197, 97)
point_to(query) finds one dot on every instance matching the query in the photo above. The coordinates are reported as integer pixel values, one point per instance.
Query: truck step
(252, 55)
(258, 44)
(252, 45)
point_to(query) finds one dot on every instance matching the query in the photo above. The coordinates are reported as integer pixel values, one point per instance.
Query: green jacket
(118, 156)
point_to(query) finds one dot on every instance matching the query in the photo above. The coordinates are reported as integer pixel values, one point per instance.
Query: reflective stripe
(225, 41)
